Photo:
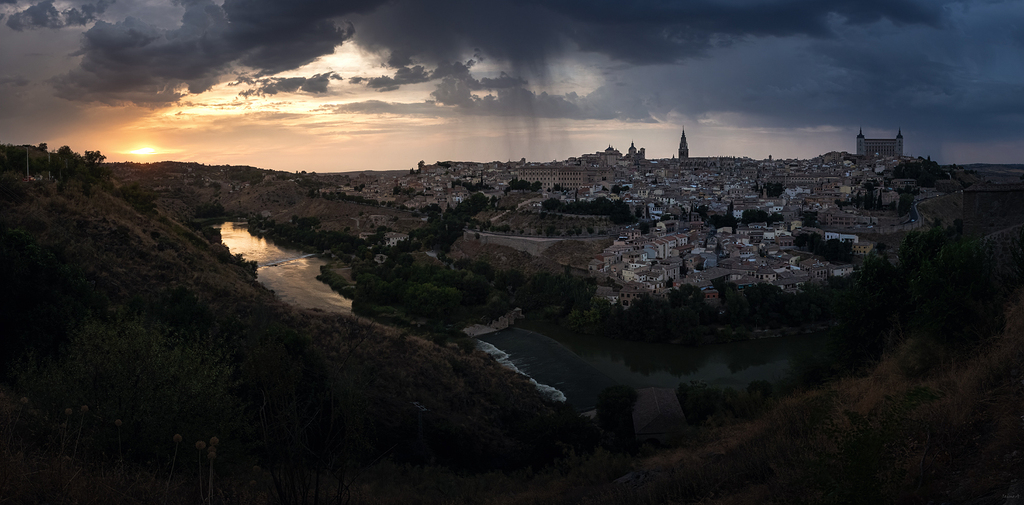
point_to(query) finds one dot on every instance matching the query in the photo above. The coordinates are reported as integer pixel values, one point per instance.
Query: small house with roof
(657, 415)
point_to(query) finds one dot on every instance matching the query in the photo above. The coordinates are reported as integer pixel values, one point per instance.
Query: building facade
(880, 147)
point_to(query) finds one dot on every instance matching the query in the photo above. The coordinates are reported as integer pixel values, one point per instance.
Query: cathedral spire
(684, 150)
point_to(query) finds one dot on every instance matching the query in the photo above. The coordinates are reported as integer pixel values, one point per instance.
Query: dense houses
(678, 199)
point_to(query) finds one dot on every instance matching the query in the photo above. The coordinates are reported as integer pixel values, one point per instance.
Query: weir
(286, 260)
(550, 364)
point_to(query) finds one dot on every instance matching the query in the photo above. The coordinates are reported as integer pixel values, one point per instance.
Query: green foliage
(831, 249)
(559, 293)
(865, 468)
(64, 164)
(774, 189)
(684, 317)
(617, 211)
(590, 321)
(905, 203)
(699, 402)
(925, 172)
(209, 210)
(43, 299)
(953, 293)
(141, 199)
(557, 434)
(311, 419)
(723, 221)
(942, 290)
(703, 404)
(615, 414)
(128, 370)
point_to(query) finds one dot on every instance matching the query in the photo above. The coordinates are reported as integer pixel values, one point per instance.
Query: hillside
(125, 326)
(164, 280)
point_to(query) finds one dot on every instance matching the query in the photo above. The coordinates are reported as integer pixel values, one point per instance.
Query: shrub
(126, 370)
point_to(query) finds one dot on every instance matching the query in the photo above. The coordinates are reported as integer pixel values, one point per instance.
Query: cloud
(404, 75)
(376, 107)
(45, 15)
(135, 61)
(521, 102)
(528, 33)
(316, 84)
(457, 70)
(15, 81)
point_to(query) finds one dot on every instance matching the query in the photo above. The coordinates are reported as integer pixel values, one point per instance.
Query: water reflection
(641, 364)
(290, 273)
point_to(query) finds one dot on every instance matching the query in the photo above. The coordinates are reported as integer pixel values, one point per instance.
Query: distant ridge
(998, 172)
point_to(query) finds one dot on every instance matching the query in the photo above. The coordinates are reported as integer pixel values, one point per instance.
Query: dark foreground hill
(124, 328)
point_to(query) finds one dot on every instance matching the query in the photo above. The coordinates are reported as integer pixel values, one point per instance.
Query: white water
(505, 360)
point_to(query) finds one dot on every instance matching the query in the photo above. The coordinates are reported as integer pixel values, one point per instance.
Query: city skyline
(367, 85)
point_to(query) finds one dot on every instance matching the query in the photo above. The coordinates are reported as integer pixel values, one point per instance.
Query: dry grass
(968, 444)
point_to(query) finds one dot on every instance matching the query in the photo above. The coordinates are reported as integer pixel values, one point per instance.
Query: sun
(144, 150)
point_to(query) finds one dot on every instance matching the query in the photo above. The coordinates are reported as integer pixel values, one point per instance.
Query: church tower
(684, 151)
(861, 149)
(899, 142)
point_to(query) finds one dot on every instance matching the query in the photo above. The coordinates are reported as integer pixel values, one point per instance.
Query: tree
(615, 413)
(906, 202)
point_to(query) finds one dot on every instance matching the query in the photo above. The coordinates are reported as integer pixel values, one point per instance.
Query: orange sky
(381, 85)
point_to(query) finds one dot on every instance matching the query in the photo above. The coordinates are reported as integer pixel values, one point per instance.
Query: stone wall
(507, 320)
(531, 245)
(1001, 243)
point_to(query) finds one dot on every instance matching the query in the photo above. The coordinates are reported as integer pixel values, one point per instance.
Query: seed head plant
(177, 440)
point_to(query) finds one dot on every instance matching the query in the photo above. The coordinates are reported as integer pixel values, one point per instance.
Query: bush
(43, 298)
(129, 371)
(615, 414)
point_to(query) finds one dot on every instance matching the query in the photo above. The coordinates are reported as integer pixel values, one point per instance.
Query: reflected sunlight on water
(294, 281)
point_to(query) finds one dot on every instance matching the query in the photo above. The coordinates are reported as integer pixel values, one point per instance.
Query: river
(565, 365)
(289, 273)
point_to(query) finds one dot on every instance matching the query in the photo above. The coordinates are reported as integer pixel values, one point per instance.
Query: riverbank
(650, 364)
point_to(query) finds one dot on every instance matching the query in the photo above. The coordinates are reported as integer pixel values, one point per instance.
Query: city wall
(531, 245)
(1001, 243)
(996, 213)
(991, 208)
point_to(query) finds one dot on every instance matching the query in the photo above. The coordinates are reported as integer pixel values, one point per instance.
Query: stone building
(880, 147)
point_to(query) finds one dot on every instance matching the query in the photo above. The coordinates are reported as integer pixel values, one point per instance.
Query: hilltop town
(692, 220)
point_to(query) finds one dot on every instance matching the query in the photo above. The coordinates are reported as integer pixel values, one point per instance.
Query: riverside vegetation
(166, 339)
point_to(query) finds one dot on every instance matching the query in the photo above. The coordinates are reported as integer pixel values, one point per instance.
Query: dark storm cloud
(404, 75)
(45, 15)
(521, 102)
(16, 81)
(316, 84)
(457, 70)
(526, 33)
(134, 61)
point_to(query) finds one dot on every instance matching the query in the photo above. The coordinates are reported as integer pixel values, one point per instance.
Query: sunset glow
(386, 91)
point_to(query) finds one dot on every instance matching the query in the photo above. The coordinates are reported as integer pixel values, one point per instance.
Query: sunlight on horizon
(144, 150)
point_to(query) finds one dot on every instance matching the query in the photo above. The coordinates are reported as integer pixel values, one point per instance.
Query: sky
(337, 85)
